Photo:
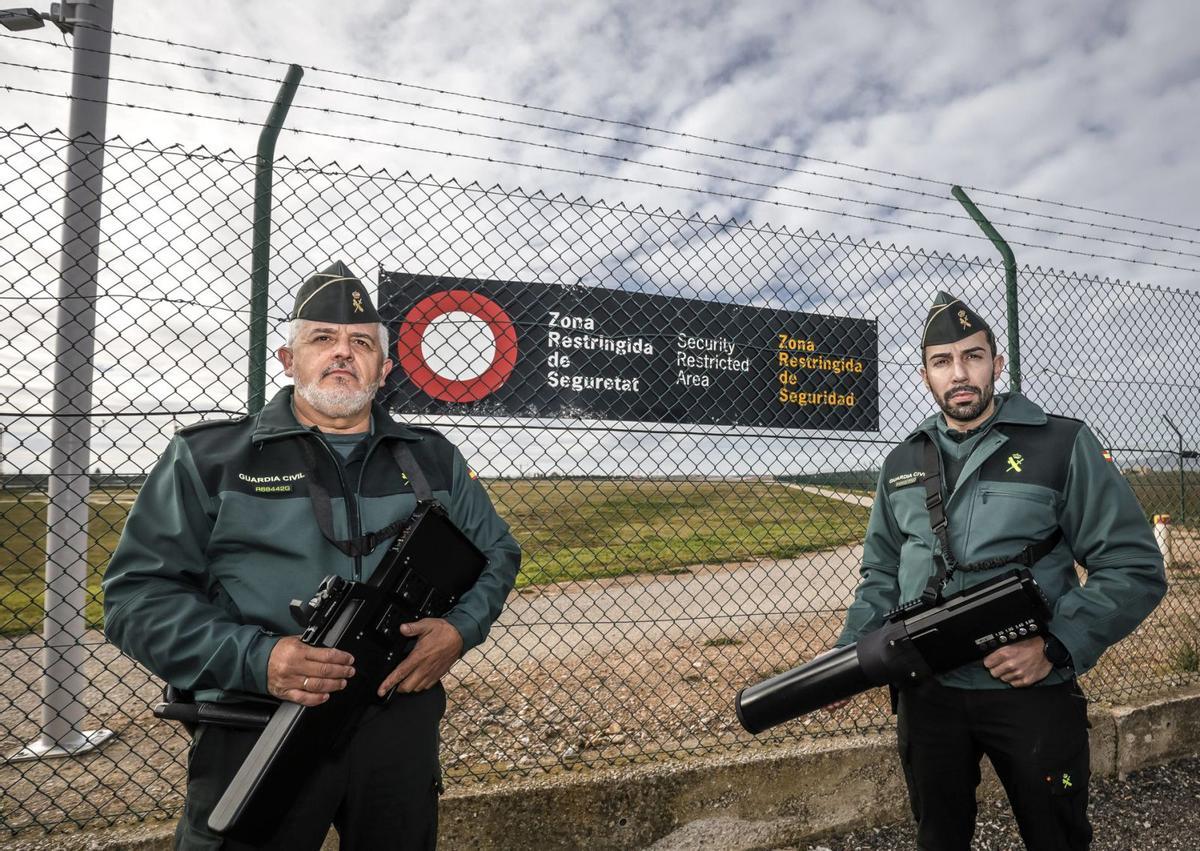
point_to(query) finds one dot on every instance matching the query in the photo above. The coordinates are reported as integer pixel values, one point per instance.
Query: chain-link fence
(672, 554)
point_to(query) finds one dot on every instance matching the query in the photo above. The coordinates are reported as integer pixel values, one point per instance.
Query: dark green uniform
(1025, 474)
(1013, 481)
(222, 536)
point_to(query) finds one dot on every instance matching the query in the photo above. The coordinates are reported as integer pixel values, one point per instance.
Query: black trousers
(1036, 739)
(379, 789)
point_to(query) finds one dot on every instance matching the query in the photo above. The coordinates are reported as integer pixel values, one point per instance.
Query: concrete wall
(760, 797)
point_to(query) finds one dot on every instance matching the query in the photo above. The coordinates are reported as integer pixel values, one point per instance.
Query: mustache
(969, 388)
(344, 366)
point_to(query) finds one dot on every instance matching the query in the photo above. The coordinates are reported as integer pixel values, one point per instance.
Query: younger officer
(1014, 481)
(223, 535)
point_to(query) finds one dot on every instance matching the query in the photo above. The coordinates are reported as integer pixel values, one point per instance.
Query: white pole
(67, 539)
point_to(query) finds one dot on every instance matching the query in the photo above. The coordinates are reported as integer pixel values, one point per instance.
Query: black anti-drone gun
(918, 639)
(424, 573)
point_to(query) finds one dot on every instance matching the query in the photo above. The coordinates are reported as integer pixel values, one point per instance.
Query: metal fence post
(1010, 282)
(67, 538)
(261, 251)
(1183, 455)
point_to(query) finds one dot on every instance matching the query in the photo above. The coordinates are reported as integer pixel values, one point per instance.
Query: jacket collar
(1016, 409)
(277, 420)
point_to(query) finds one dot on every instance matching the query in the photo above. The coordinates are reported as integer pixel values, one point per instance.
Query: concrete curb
(757, 798)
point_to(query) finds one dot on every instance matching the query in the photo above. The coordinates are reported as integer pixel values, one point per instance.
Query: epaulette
(1065, 417)
(203, 424)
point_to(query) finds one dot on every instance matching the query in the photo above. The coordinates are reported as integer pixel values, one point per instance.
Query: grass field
(1158, 492)
(569, 528)
(583, 529)
(23, 554)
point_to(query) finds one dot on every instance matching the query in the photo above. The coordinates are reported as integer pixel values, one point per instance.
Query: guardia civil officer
(1016, 482)
(223, 535)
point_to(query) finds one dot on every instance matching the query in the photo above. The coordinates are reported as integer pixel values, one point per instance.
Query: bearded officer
(223, 535)
(1014, 480)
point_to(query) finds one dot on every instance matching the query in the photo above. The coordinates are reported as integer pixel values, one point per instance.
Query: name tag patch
(906, 479)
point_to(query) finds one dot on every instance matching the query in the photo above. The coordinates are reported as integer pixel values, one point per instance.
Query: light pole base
(74, 744)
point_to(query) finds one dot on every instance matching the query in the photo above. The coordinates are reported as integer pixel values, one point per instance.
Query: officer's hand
(1021, 664)
(438, 648)
(305, 674)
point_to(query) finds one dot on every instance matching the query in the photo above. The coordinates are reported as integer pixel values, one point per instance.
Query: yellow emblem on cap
(356, 299)
(963, 320)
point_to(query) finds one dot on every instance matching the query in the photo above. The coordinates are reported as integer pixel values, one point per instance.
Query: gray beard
(337, 402)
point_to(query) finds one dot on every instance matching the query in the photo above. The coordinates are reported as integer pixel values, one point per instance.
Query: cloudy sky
(1070, 123)
(1091, 104)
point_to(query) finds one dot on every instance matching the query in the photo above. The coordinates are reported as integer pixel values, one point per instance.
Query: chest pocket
(1006, 518)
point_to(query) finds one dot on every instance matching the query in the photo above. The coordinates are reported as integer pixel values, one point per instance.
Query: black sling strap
(323, 506)
(946, 562)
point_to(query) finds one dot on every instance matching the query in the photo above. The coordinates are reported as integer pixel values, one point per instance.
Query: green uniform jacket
(1064, 481)
(222, 537)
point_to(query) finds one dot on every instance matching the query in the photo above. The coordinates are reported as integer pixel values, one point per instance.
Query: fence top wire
(308, 165)
(699, 190)
(650, 145)
(770, 187)
(636, 126)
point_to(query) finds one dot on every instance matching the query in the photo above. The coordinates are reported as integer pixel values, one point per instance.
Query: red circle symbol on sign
(412, 357)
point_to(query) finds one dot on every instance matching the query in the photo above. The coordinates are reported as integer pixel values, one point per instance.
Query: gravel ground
(581, 675)
(1157, 808)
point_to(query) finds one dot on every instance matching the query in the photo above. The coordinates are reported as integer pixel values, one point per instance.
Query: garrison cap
(950, 320)
(335, 295)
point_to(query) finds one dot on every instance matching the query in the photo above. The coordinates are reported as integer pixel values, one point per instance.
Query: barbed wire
(621, 159)
(285, 166)
(648, 145)
(601, 176)
(634, 125)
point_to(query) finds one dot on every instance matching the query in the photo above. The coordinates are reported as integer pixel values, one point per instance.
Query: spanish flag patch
(472, 473)
(1107, 456)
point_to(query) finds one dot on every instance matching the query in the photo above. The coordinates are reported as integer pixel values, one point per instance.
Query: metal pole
(67, 539)
(261, 253)
(1178, 434)
(1010, 283)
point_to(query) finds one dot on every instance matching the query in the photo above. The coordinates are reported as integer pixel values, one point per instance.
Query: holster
(182, 706)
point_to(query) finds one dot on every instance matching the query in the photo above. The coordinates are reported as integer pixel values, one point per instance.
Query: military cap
(335, 295)
(950, 320)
